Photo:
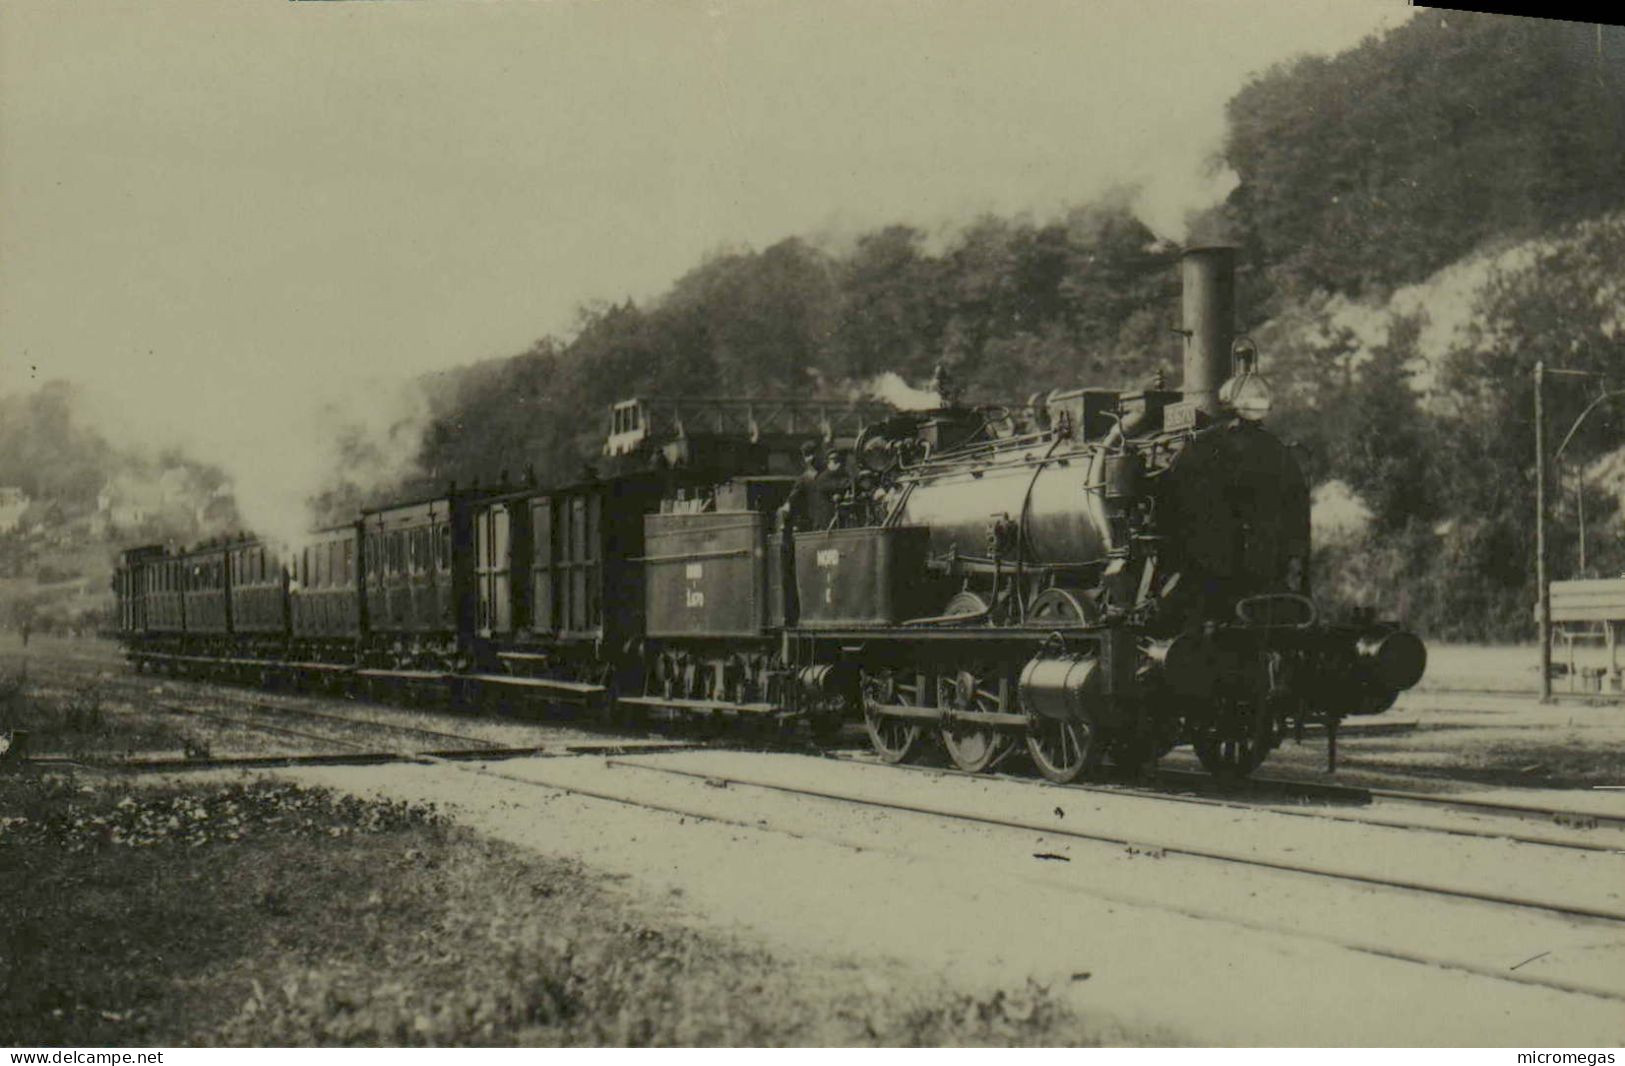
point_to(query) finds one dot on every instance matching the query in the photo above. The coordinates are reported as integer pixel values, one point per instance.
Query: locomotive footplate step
(334, 668)
(523, 656)
(915, 634)
(674, 704)
(578, 689)
(404, 675)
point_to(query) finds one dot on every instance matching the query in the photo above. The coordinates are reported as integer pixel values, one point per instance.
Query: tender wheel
(895, 740)
(973, 749)
(1064, 751)
(1229, 758)
(1232, 747)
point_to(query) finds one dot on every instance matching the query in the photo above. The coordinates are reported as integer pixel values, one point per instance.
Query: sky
(217, 214)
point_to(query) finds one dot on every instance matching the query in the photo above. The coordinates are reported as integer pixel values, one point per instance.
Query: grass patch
(270, 914)
(81, 722)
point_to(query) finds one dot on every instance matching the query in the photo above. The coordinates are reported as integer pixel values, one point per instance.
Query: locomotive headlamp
(1247, 393)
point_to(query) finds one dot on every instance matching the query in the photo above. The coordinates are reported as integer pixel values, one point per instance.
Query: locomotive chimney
(1209, 314)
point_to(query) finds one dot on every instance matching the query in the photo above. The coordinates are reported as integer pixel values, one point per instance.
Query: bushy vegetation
(1004, 304)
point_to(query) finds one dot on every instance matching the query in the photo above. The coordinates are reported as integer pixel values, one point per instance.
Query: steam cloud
(1174, 203)
(280, 450)
(900, 394)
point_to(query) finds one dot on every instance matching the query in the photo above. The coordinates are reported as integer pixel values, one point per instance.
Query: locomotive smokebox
(1209, 317)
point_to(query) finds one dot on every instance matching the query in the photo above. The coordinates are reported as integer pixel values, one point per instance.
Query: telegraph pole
(1545, 609)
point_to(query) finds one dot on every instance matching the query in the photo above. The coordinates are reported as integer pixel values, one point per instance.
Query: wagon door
(492, 573)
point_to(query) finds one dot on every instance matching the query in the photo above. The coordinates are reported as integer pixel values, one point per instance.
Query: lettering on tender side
(694, 572)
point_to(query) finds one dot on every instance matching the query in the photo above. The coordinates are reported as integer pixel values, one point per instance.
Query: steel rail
(261, 704)
(1200, 914)
(402, 727)
(1130, 791)
(1520, 810)
(264, 727)
(1517, 809)
(1211, 854)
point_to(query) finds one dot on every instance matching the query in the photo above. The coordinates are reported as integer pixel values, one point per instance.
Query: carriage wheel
(895, 740)
(1066, 750)
(973, 748)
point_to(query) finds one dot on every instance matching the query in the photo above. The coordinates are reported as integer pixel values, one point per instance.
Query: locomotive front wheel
(1064, 751)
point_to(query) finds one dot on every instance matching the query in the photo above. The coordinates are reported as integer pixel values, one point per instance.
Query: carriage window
(444, 541)
(348, 572)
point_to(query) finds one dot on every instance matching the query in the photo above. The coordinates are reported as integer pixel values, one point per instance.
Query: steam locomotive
(1093, 577)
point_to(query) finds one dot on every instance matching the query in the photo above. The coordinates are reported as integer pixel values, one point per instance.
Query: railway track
(1291, 799)
(753, 821)
(291, 706)
(1332, 802)
(1164, 846)
(342, 721)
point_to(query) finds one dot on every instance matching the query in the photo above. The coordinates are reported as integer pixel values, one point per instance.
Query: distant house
(13, 502)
